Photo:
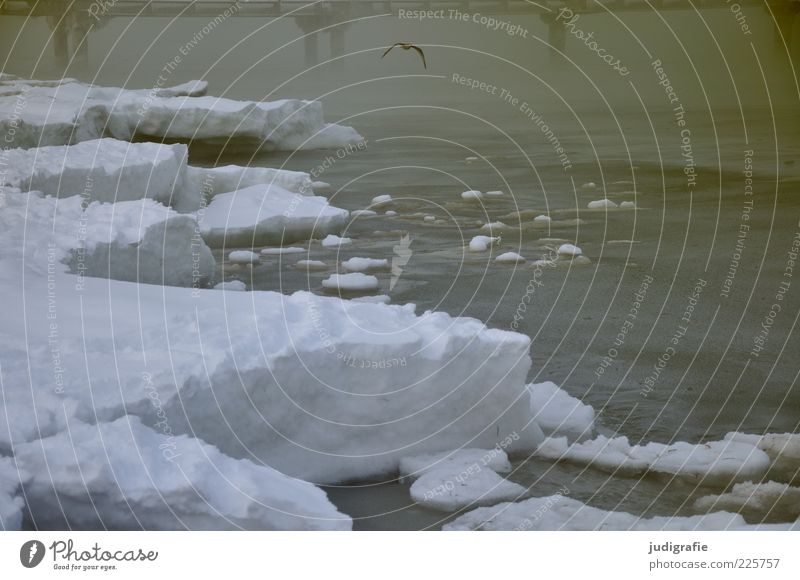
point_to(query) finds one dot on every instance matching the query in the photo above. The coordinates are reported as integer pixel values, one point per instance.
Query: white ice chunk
(356, 282)
(381, 200)
(105, 170)
(589, 185)
(451, 490)
(472, 194)
(628, 204)
(783, 450)
(267, 215)
(68, 112)
(560, 414)
(569, 250)
(213, 180)
(140, 241)
(123, 475)
(542, 219)
(390, 213)
(494, 193)
(311, 265)
(492, 227)
(482, 243)
(601, 203)
(334, 241)
(714, 463)
(756, 501)
(509, 258)
(558, 512)
(283, 250)
(243, 257)
(365, 264)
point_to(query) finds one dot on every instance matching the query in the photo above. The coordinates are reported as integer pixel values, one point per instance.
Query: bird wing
(421, 54)
(390, 48)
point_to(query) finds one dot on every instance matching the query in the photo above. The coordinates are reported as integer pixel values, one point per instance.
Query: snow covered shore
(138, 395)
(39, 113)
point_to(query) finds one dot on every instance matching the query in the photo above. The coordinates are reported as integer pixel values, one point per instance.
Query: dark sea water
(729, 358)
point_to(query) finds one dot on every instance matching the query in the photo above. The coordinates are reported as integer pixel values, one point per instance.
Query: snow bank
(494, 459)
(756, 501)
(558, 512)
(67, 112)
(133, 241)
(123, 475)
(270, 214)
(559, 414)
(714, 463)
(11, 502)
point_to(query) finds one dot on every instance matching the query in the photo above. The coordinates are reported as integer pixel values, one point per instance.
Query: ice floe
(365, 264)
(559, 414)
(569, 250)
(334, 241)
(140, 241)
(283, 250)
(509, 258)
(472, 195)
(602, 204)
(124, 475)
(355, 282)
(558, 512)
(243, 257)
(482, 243)
(717, 462)
(381, 200)
(453, 480)
(67, 112)
(311, 265)
(783, 450)
(267, 214)
(756, 501)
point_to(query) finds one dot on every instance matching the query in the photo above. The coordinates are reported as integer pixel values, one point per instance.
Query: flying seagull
(408, 46)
